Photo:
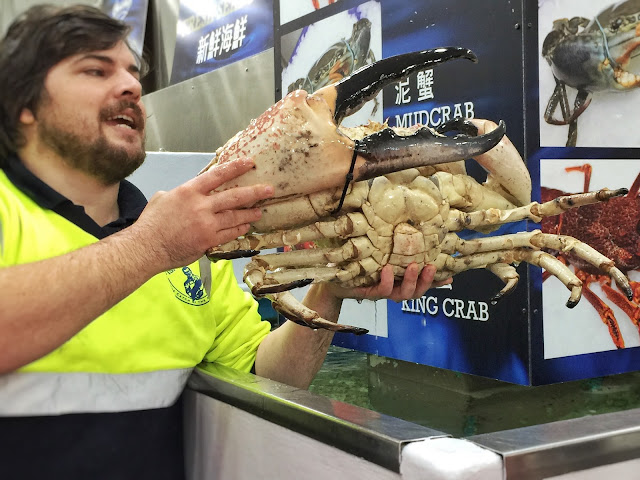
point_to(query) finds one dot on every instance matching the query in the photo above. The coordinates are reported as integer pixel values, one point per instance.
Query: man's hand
(180, 225)
(414, 284)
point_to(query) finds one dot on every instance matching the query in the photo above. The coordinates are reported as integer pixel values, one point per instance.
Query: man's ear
(27, 117)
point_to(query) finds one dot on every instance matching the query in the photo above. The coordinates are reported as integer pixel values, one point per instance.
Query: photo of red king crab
(317, 6)
(611, 227)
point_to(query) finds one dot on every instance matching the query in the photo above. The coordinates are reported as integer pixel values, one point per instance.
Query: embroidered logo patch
(187, 286)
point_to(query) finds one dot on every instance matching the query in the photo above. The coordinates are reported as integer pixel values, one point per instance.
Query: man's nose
(129, 85)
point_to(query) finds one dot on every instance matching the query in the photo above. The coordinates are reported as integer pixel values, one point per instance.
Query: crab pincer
(299, 148)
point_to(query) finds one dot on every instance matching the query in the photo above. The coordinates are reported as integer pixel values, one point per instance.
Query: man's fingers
(222, 173)
(232, 218)
(228, 234)
(385, 287)
(240, 197)
(425, 280)
(408, 287)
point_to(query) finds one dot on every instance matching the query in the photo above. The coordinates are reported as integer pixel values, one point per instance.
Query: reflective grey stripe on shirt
(205, 273)
(37, 393)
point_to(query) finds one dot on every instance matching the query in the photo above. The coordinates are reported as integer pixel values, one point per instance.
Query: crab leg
(289, 306)
(449, 266)
(508, 274)
(534, 211)
(353, 224)
(349, 225)
(539, 240)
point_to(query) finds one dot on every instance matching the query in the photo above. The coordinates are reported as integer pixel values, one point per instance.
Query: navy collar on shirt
(131, 201)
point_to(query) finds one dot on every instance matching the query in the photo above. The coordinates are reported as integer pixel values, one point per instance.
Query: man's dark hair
(36, 41)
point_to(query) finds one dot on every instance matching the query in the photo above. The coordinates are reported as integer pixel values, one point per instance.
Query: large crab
(591, 56)
(407, 213)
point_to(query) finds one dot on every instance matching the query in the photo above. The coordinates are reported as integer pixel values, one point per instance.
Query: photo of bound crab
(611, 228)
(590, 56)
(331, 49)
(381, 195)
(339, 60)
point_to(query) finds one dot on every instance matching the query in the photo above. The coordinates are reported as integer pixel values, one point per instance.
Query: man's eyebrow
(133, 68)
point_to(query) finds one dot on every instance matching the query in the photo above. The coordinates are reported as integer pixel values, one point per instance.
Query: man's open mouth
(124, 121)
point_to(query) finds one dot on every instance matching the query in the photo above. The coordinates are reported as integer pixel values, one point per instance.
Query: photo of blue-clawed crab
(589, 57)
(327, 51)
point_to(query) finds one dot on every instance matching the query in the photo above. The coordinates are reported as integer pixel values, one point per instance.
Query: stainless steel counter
(542, 451)
(367, 434)
(533, 452)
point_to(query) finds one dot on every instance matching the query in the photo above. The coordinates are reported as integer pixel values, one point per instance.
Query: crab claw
(298, 147)
(386, 151)
(507, 173)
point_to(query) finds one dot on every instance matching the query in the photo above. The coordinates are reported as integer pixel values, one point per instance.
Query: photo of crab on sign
(606, 319)
(589, 55)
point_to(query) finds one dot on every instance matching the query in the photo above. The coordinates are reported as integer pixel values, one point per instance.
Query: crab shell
(292, 138)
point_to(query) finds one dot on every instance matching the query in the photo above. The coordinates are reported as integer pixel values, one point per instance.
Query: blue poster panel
(455, 327)
(215, 33)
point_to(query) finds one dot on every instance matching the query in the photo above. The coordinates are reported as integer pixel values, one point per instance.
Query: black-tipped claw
(571, 303)
(460, 125)
(387, 152)
(352, 329)
(366, 82)
(619, 192)
(281, 287)
(496, 298)
(214, 257)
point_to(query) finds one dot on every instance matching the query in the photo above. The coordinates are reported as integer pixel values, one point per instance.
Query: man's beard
(105, 162)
